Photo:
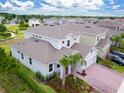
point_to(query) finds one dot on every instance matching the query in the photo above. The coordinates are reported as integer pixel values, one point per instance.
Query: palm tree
(71, 60)
(74, 60)
(65, 63)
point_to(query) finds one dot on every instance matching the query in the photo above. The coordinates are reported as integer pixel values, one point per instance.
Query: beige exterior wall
(88, 39)
(103, 52)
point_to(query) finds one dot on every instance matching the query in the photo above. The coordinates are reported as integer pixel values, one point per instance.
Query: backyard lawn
(3, 36)
(15, 29)
(12, 28)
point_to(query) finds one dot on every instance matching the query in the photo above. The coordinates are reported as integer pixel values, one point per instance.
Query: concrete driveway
(103, 79)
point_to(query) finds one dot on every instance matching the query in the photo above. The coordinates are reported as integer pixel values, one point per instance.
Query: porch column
(53, 67)
(61, 72)
(69, 69)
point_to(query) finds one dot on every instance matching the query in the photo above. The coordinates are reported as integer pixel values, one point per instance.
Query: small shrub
(80, 82)
(69, 81)
(40, 76)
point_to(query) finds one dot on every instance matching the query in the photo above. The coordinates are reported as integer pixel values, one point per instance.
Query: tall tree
(3, 28)
(74, 60)
(65, 63)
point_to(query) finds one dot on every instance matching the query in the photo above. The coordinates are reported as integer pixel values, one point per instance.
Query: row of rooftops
(61, 31)
(44, 52)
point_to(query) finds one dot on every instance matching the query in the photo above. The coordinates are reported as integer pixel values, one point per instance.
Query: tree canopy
(3, 28)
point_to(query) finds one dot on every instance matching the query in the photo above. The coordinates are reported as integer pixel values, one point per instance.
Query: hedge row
(30, 81)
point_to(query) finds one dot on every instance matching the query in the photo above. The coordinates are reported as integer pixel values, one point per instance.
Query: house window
(18, 51)
(91, 51)
(74, 38)
(58, 65)
(50, 67)
(63, 42)
(33, 35)
(36, 36)
(30, 61)
(22, 56)
(68, 43)
(98, 38)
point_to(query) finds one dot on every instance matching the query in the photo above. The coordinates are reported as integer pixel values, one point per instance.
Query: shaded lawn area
(19, 79)
(70, 86)
(14, 84)
(29, 75)
(3, 36)
(7, 48)
(112, 65)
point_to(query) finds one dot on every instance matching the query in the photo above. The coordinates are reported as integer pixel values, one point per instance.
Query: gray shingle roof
(83, 49)
(61, 31)
(41, 51)
(45, 53)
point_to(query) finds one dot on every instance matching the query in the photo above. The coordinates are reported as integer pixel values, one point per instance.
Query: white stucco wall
(34, 22)
(104, 51)
(73, 39)
(36, 65)
(90, 60)
(54, 42)
(57, 43)
(99, 37)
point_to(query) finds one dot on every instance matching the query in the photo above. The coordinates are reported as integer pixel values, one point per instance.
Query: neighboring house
(45, 45)
(96, 36)
(14, 21)
(33, 22)
(90, 20)
(113, 25)
(1, 19)
(54, 21)
(50, 21)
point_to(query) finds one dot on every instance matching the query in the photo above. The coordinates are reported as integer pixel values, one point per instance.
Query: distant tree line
(25, 18)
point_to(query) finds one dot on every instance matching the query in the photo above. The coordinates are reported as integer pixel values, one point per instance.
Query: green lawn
(12, 28)
(112, 65)
(6, 47)
(14, 84)
(29, 74)
(15, 29)
(3, 37)
(19, 35)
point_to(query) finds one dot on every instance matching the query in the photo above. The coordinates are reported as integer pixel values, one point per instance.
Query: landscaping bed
(70, 86)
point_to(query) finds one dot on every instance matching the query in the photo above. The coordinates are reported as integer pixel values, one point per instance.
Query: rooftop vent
(36, 40)
(81, 23)
(88, 27)
(23, 44)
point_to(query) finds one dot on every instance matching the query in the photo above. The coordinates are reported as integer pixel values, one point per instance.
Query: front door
(68, 43)
(66, 70)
